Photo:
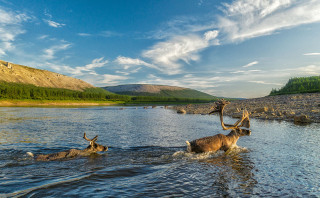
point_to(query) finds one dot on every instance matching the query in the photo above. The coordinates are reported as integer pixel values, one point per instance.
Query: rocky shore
(298, 108)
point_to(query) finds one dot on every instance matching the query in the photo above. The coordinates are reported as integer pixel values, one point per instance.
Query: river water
(147, 158)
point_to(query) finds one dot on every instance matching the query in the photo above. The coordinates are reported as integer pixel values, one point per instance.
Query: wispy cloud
(54, 24)
(84, 34)
(50, 52)
(251, 64)
(245, 19)
(105, 33)
(167, 55)
(121, 60)
(109, 79)
(86, 69)
(87, 72)
(312, 54)
(43, 37)
(182, 25)
(49, 20)
(108, 33)
(306, 70)
(10, 28)
(264, 83)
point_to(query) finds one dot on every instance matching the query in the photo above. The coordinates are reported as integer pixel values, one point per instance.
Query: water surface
(147, 155)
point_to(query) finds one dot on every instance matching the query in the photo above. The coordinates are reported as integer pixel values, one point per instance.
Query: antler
(243, 122)
(92, 140)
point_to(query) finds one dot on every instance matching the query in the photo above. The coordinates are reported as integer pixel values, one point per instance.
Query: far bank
(299, 108)
(47, 103)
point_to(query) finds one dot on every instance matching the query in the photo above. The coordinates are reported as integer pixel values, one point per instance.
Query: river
(147, 157)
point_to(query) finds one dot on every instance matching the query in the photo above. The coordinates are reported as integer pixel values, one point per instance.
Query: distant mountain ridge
(158, 91)
(14, 73)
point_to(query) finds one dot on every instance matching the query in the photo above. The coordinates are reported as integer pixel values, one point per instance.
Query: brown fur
(220, 141)
(92, 148)
(217, 142)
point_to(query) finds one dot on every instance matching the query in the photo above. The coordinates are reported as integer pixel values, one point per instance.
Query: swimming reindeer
(92, 148)
(220, 141)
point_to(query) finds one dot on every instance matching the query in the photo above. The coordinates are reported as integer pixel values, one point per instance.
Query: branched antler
(243, 122)
(92, 140)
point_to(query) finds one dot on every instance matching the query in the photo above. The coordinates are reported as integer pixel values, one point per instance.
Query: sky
(239, 48)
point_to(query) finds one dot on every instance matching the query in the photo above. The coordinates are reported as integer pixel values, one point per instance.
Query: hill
(299, 85)
(13, 73)
(158, 91)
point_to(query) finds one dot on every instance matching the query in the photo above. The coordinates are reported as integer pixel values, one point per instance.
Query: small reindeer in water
(92, 148)
(220, 141)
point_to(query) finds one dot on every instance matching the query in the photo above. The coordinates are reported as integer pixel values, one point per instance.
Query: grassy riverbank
(47, 103)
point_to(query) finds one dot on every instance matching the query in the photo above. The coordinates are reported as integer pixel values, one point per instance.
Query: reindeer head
(94, 147)
(244, 121)
(243, 132)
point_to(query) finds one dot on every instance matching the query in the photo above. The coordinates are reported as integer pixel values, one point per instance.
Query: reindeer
(92, 148)
(220, 141)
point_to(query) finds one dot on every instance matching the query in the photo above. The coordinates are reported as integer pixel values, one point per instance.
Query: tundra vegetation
(299, 85)
(20, 91)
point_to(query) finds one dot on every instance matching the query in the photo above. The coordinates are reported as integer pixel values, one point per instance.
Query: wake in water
(208, 155)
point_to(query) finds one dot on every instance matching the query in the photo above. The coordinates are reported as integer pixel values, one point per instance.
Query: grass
(32, 102)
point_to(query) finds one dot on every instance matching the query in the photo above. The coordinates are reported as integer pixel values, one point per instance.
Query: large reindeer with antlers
(92, 148)
(220, 141)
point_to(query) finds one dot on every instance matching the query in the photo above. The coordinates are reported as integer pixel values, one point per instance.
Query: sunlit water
(147, 158)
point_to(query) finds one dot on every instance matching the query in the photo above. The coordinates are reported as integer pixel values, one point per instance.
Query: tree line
(27, 91)
(299, 85)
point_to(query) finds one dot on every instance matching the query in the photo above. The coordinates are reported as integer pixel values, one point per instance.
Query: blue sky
(240, 48)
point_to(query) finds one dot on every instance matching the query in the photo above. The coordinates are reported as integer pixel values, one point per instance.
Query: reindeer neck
(88, 149)
(233, 133)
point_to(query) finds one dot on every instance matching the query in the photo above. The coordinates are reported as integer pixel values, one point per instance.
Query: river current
(147, 155)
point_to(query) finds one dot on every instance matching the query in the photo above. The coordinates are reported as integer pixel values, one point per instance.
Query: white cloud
(312, 54)
(245, 19)
(108, 33)
(123, 73)
(307, 70)
(84, 34)
(49, 53)
(237, 72)
(54, 24)
(264, 83)
(43, 37)
(167, 55)
(98, 62)
(89, 68)
(209, 35)
(113, 79)
(121, 60)
(182, 25)
(10, 28)
(251, 64)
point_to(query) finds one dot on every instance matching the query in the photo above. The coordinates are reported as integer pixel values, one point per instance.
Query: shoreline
(54, 103)
(297, 108)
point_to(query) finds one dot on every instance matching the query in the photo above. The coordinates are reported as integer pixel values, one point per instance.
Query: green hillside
(299, 85)
(21, 91)
(159, 91)
(187, 93)
(10, 90)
